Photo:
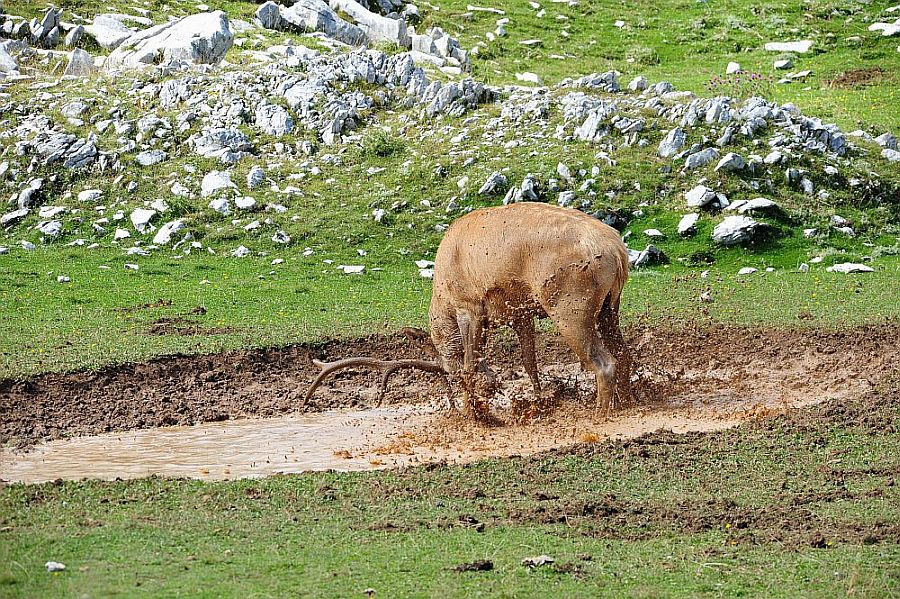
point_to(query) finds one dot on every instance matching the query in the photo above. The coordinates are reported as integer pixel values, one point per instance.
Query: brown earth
(713, 364)
(860, 78)
(798, 511)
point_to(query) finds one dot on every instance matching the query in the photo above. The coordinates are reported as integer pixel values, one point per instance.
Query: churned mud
(242, 414)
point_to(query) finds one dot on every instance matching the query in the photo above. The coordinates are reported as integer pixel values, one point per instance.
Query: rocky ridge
(307, 106)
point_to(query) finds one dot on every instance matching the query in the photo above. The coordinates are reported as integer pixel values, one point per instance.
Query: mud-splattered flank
(713, 362)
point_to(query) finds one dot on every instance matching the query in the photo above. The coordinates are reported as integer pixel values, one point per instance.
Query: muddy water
(216, 451)
(347, 441)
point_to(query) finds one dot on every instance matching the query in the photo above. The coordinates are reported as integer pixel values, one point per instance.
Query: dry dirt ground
(723, 374)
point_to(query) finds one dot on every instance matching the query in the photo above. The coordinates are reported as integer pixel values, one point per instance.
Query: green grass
(99, 317)
(735, 513)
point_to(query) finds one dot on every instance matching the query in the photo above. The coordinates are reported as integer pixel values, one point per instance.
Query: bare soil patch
(861, 78)
(716, 365)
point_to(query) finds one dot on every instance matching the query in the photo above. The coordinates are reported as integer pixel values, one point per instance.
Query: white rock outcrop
(198, 39)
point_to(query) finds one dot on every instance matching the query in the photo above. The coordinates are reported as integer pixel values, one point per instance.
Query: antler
(386, 367)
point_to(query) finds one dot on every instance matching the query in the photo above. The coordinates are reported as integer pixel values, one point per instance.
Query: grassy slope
(50, 327)
(778, 487)
(99, 318)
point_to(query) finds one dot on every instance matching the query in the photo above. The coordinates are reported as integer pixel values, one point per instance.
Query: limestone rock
(215, 182)
(734, 229)
(198, 39)
(81, 64)
(165, 233)
(273, 119)
(672, 143)
(496, 183)
(108, 31)
(688, 224)
(801, 47)
(850, 267)
(140, 218)
(316, 15)
(731, 162)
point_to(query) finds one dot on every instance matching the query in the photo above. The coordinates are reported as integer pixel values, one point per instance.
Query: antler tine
(386, 367)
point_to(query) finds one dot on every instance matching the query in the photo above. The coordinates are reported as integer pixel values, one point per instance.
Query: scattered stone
(245, 202)
(734, 229)
(74, 36)
(849, 267)
(240, 252)
(731, 162)
(529, 77)
(700, 196)
(8, 64)
(747, 270)
(274, 120)
(81, 64)
(886, 29)
(688, 224)
(785, 64)
(255, 177)
(495, 184)
(649, 256)
(801, 47)
(108, 31)
(90, 195)
(698, 159)
(140, 218)
(269, 16)
(165, 233)
(150, 157)
(887, 140)
(754, 205)
(220, 205)
(229, 145)
(214, 182)
(732, 68)
(281, 237)
(672, 143)
(351, 269)
(890, 155)
(566, 199)
(11, 218)
(55, 566)
(51, 228)
(315, 15)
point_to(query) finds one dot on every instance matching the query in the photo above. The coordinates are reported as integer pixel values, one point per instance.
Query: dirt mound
(677, 366)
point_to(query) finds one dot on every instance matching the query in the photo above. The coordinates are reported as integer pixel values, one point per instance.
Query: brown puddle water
(357, 440)
(704, 387)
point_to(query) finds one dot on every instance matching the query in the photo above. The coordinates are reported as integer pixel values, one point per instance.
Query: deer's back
(522, 248)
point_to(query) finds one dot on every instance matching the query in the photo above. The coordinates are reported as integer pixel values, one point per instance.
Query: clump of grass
(742, 85)
(643, 55)
(382, 144)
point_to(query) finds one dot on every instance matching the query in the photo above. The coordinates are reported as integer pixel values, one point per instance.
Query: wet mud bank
(727, 370)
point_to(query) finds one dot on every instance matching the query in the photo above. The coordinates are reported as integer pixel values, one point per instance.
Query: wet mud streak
(730, 372)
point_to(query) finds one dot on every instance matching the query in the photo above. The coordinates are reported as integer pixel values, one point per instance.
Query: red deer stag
(508, 265)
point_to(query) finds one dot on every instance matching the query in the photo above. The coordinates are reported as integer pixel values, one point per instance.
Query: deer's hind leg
(524, 328)
(577, 324)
